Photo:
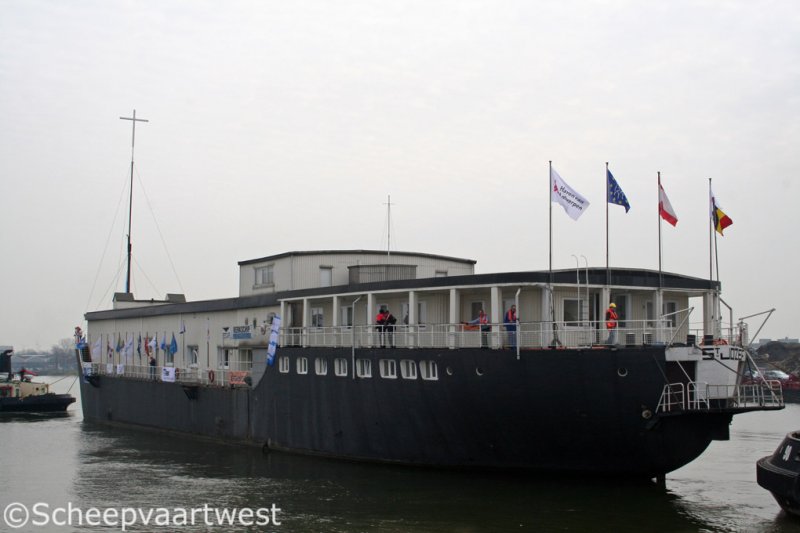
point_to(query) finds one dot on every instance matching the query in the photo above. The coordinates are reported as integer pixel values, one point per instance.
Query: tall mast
(389, 227)
(134, 120)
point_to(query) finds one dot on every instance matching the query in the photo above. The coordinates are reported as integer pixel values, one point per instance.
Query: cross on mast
(134, 120)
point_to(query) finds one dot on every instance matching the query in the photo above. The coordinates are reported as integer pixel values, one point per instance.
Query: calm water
(64, 460)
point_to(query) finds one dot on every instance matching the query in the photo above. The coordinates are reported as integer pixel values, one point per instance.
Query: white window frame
(317, 317)
(388, 368)
(283, 364)
(346, 315)
(340, 367)
(672, 319)
(364, 368)
(429, 370)
(326, 276)
(321, 366)
(302, 365)
(571, 323)
(408, 369)
(264, 276)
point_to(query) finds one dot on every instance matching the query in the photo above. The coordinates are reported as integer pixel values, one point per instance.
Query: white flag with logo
(567, 197)
(168, 374)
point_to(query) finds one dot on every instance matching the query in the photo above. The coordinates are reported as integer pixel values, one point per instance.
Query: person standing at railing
(380, 320)
(483, 322)
(152, 364)
(511, 326)
(388, 326)
(611, 323)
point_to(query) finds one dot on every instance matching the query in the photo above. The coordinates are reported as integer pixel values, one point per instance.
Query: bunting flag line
(665, 208)
(615, 194)
(718, 217)
(567, 197)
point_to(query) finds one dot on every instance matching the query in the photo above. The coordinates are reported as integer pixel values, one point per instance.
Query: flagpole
(550, 206)
(710, 236)
(608, 276)
(658, 214)
(554, 341)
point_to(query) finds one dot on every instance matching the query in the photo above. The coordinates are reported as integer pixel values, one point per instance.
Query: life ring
(211, 376)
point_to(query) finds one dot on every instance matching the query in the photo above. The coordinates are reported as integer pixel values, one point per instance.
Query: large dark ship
(297, 363)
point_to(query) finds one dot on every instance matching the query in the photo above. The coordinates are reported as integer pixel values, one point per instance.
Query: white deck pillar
(497, 318)
(454, 337)
(412, 319)
(658, 309)
(370, 320)
(335, 321)
(306, 321)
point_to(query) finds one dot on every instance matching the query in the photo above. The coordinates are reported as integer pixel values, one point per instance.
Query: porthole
(449, 371)
(622, 371)
(478, 370)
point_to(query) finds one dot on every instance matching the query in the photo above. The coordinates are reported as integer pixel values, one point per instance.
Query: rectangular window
(670, 307)
(321, 366)
(317, 318)
(388, 368)
(346, 315)
(340, 366)
(572, 312)
(325, 276)
(364, 368)
(283, 364)
(245, 360)
(422, 313)
(224, 358)
(302, 365)
(475, 309)
(192, 352)
(264, 276)
(429, 370)
(408, 369)
(441, 273)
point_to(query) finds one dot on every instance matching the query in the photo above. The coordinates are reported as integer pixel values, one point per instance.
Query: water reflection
(149, 469)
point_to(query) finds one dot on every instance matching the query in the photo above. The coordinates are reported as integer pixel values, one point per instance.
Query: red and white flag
(665, 208)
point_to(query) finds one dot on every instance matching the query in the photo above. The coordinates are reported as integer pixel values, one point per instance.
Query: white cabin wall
(303, 271)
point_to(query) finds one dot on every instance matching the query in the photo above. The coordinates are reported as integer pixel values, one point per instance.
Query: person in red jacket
(510, 323)
(611, 323)
(382, 321)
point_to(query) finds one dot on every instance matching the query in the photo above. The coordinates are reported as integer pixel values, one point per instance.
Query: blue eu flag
(615, 194)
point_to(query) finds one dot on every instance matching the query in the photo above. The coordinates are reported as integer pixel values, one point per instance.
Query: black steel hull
(44, 403)
(588, 411)
(779, 473)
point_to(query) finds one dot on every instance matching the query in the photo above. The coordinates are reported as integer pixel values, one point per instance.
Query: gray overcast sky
(278, 126)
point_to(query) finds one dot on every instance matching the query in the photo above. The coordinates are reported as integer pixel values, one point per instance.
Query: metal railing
(461, 335)
(184, 376)
(703, 396)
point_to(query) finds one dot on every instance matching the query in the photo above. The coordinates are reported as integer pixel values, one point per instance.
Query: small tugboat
(779, 473)
(25, 396)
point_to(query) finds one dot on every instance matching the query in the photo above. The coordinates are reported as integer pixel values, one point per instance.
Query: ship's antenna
(134, 120)
(388, 205)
